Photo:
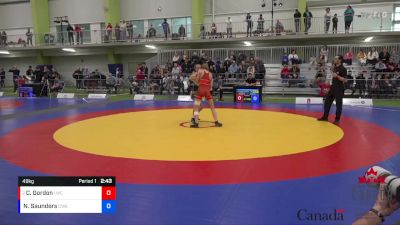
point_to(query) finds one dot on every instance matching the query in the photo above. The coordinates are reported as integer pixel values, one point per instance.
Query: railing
(288, 26)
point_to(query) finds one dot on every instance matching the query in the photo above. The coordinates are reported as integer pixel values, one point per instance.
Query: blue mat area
(283, 202)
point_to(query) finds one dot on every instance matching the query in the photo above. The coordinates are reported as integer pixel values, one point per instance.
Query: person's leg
(196, 113)
(214, 112)
(339, 106)
(327, 105)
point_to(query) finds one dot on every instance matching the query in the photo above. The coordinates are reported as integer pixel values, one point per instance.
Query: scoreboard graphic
(66, 195)
(252, 94)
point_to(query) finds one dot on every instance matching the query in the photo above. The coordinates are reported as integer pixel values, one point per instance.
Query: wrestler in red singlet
(204, 87)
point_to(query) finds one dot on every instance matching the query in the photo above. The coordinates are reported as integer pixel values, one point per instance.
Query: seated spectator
(372, 57)
(380, 67)
(57, 85)
(324, 87)
(321, 74)
(285, 74)
(78, 76)
(360, 84)
(294, 75)
(386, 86)
(391, 66)
(285, 59)
(251, 69)
(384, 55)
(324, 54)
(20, 81)
(259, 70)
(176, 58)
(139, 75)
(186, 67)
(348, 58)
(293, 58)
(233, 68)
(394, 56)
(111, 83)
(251, 81)
(362, 57)
(176, 70)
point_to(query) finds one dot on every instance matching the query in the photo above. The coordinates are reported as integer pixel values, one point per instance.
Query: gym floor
(268, 164)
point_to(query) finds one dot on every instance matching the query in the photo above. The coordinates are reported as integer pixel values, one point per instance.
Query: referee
(336, 92)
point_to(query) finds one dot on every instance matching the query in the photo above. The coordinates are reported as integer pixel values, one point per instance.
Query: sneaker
(218, 124)
(337, 121)
(195, 125)
(323, 119)
(192, 121)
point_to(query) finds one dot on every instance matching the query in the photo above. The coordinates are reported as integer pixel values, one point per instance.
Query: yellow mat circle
(156, 135)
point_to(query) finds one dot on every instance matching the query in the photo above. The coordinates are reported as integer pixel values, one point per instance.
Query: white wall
(16, 15)
(242, 7)
(78, 11)
(139, 9)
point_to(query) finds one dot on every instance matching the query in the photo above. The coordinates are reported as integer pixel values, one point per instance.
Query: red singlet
(204, 87)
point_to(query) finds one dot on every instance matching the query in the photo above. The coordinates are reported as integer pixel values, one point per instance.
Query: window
(157, 24)
(85, 29)
(396, 19)
(185, 21)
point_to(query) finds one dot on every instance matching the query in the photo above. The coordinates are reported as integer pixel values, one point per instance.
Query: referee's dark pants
(334, 95)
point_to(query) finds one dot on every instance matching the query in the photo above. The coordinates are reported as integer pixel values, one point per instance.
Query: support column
(197, 17)
(41, 25)
(301, 6)
(112, 14)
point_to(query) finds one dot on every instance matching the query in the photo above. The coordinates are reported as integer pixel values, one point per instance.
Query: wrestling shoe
(195, 125)
(217, 124)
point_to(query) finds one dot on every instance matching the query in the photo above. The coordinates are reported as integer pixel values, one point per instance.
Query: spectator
(176, 58)
(118, 73)
(394, 56)
(129, 28)
(229, 28)
(123, 29)
(285, 74)
(384, 55)
(285, 59)
(259, 69)
(233, 68)
(380, 68)
(324, 54)
(360, 84)
(38, 73)
(166, 29)
(111, 83)
(3, 38)
(327, 19)
(15, 74)
(279, 27)
(151, 32)
(307, 20)
(294, 75)
(251, 81)
(324, 87)
(109, 30)
(249, 23)
(348, 58)
(186, 67)
(297, 17)
(293, 58)
(251, 69)
(78, 76)
(362, 57)
(321, 74)
(176, 70)
(117, 31)
(391, 67)
(2, 77)
(139, 75)
(202, 31)
(348, 18)
(372, 57)
(260, 25)
(182, 32)
(213, 30)
(56, 86)
(29, 37)
(335, 21)
(70, 31)
(79, 34)
(20, 81)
